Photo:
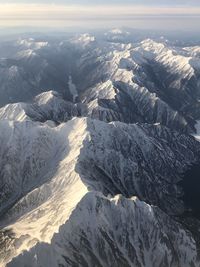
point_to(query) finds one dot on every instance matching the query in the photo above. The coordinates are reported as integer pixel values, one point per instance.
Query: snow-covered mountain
(149, 81)
(97, 146)
(115, 232)
(46, 106)
(46, 170)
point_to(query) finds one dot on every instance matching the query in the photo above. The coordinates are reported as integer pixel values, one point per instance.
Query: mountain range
(100, 152)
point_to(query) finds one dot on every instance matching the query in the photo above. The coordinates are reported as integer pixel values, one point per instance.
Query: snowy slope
(115, 232)
(139, 159)
(46, 106)
(38, 180)
(197, 134)
(152, 81)
(119, 101)
(48, 170)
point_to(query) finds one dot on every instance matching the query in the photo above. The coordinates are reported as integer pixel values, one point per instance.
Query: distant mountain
(148, 82)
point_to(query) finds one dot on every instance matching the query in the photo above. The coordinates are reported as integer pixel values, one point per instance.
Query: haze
(146, 14)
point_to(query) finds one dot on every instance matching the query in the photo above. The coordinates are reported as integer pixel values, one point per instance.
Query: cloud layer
(55, 11)
(16, 14)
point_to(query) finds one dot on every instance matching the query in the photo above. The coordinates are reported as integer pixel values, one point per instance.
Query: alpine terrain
(100, 151)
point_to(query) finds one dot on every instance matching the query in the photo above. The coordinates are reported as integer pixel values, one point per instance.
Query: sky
(152, 14)
(120, 2)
